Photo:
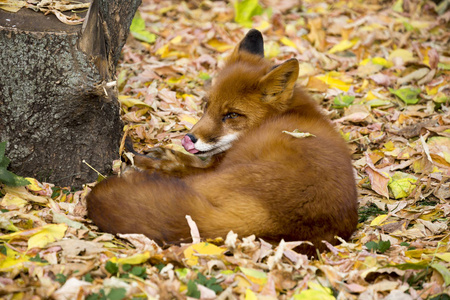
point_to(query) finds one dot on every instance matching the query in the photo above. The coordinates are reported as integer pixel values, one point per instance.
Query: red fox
(247, 174)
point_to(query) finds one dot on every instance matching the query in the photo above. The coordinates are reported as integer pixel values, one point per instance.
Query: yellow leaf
(420, 24)
(242, 282)
(176, 40)
(129, 102)
(250, 295)
(13, 200)
(288, 42)
(334, 82)
(219, 45)
(365, 61)
(382, 62)
(402, 53)
(132, 260)
(371, 27)
(418, 253)
(378, 220)
(389, 146)
(163, 50)
(12, 6)
(370, 96)
(188, 119)
(40, 236)
(306, 69)
(48, 234)
(34, 185)
(23, 193)
(343, 45)
(13, 260)
(202, 249)
(263, 26)
(401, 184)
(444, 256)
(440, 149)
(255, 276)
(316, 292)
(364, 85)
(272, 49)
(167, 9)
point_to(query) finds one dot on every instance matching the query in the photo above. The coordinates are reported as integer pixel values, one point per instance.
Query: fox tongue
(188, 145)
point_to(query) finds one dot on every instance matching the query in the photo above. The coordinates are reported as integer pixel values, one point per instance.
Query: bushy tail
(156, 206)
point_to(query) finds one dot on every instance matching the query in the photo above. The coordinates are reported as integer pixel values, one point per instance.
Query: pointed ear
(252, 43)
(279, 82)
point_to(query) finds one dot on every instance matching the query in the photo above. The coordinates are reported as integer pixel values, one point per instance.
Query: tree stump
(58, 102)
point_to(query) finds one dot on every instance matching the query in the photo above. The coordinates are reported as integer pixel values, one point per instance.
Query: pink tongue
(188, 145)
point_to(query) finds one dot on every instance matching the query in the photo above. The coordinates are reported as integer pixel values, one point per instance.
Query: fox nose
(192, 137)
(188, 143)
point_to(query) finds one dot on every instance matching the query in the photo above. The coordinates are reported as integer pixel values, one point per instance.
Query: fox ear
(252, 43)
(279, 83)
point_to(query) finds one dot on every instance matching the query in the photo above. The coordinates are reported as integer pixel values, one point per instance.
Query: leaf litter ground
(381, 72)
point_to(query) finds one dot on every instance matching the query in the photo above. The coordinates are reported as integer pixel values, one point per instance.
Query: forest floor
(380, 69)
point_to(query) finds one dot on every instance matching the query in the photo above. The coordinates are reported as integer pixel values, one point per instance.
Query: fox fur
(256, 179)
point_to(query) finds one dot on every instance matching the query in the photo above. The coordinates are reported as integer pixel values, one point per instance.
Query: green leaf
(398, 6)
(201, 279)
(111, 267)
(192, 290)
(137, 29)
(372, 246)
(12, 179)
(160, 267)
(444, 66)
(244, 11)
(443, 270)
(443, 7)
(209, 283)
(6, 177)
(4, 162)
(441, 297)
(383, 246)
(61, 278)
(38, 258)
(341, 101)
(88, 278)
(380, 247)
(97, 296)
(126, 267)
(182, 273)
(408, 26)
(3, 250)
(378, 102)
(411, 266)
(139, 271)
(204, 76)
(407, 95)
(116, 294)
(2, 149)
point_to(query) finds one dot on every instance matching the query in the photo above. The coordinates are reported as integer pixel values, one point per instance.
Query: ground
(380, 70)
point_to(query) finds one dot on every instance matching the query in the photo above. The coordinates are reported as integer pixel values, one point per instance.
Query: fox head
(246, 92)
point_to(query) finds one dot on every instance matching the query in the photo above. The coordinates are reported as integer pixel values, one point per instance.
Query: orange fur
(268, 183)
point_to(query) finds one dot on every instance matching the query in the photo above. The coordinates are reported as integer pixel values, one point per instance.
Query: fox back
(265, 178)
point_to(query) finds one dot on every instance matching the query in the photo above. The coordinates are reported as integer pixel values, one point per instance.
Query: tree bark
(57, 104)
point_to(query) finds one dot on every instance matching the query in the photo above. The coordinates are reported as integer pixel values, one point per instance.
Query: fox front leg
(173, 163)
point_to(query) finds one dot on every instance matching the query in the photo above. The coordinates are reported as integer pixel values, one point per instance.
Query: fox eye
(232, 115)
